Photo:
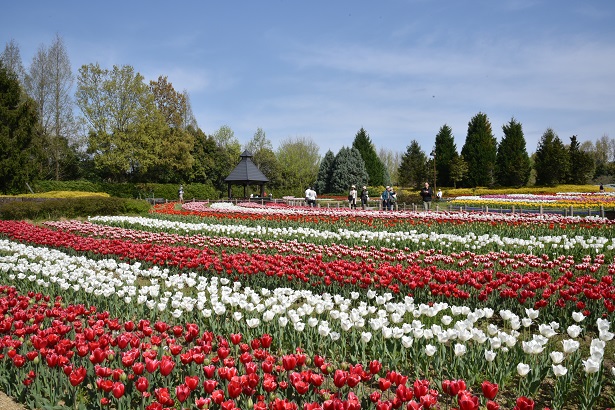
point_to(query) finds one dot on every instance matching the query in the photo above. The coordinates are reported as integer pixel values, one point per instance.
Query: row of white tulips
(470, 241)
(367, 317)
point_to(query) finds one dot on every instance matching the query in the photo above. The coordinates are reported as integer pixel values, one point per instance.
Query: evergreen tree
(413, 170)
(480, 151)
(445, 150)
(323, 181)
(348, 169)
(512, 165)
(551, 160)
(584, 165)
(373, 165)
(19, 136)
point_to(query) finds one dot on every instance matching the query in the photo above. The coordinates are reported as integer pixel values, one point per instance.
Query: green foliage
(375, 168)
(348, 169)
(299, 161)
(551, 160)
(584, 165)
(20, 147)
(71, 208)
(446, 151)
(325, 171)
(413, 170)
(131, 190)
(512, 162)
(480, 151)
(459, 169)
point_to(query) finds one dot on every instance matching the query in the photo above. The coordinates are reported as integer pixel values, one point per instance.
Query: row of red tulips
(559, 289)
(51, 352)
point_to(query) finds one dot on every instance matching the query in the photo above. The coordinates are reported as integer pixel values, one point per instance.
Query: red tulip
(384, 384)
(166, 366)
(118, 389)
(236, 338)
(467, 401)
(375, 366)
(339, 378)
(289, 362)
(142, 384)
(524, 403)
(491, 405)
(266, 340)
(210, 385)
(490, 390)
(77, 376)
(182, 392)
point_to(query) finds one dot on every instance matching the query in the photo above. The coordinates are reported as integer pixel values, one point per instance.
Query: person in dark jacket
(426, 194)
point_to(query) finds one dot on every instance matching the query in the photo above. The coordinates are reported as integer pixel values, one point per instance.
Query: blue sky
(324, 69)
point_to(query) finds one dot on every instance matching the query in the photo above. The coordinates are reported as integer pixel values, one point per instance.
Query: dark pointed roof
(246, 171)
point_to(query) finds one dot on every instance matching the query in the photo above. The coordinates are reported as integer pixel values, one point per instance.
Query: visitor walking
(181, 194)
(386, 199)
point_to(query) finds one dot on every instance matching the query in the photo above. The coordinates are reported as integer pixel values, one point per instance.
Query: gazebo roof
(246, 171)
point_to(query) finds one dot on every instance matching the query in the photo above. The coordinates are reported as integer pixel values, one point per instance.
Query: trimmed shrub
(40, 209)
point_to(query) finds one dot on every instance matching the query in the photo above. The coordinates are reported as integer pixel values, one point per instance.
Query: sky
(322, 70)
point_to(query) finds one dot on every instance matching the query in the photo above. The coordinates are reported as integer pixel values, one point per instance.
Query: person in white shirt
(352, 197)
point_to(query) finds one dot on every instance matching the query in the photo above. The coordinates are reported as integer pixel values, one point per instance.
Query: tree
(584, 165)
(348, 169)
(19, 135)
(445, 150)
(226, 156)
(459, 169)
(480, 151)
(413, 170)
(11, 59)
(551, 160)
(299, 160)
(325, 171)
(173, 151)
(391, 160)
(264, 157)
(512, 165)
(125, 127)
(204, 153)
(376, 170)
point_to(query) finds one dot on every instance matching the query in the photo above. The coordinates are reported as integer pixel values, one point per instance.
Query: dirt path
(6, 403)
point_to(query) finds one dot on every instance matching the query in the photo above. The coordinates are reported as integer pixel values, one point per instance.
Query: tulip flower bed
(272, 307)
(585, 200)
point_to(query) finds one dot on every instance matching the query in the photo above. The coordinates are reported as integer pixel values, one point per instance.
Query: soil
(6, 403)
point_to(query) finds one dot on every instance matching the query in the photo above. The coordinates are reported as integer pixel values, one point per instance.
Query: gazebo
(246, 173)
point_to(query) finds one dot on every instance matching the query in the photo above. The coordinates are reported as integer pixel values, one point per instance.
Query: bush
(40, 209)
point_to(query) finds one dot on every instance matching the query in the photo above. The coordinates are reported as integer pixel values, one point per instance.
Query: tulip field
(266, 306)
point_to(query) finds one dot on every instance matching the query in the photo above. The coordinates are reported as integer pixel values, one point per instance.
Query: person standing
(307, 196)
(386, 199)
(364, 197)
(352, 197)
(426, 194)
(181, 194)
(311, 197)
(439, 195)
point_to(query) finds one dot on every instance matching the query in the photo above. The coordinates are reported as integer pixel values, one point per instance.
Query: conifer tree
(348, 169)
(479, 151)
(413, 171)
(446, 151)
(323, 182)
(551, 160)
(584, 166)
(376, 170)
(20, 141)
(512, 165)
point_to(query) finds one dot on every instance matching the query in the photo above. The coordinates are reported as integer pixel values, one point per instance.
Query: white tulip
(523, 369)
(460, 349)
(591, 366)
(430, 350)
(556, 357)
(574, 331)
(578, 316)
(559, 370)
(570, 346)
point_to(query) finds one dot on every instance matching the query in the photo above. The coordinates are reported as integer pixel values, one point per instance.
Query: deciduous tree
(299, 160)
